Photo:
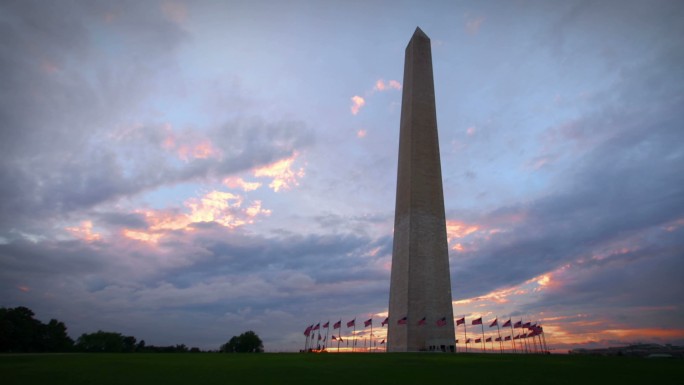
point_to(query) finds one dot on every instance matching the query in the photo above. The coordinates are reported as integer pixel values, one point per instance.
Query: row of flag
(532, 330)
(311, 329)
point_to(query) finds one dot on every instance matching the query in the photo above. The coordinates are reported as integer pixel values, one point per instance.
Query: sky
(185, 171)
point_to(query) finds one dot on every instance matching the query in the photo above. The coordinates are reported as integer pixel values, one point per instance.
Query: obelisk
(420, 311)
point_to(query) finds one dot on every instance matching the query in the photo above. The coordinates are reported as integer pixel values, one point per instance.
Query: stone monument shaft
(420, 287)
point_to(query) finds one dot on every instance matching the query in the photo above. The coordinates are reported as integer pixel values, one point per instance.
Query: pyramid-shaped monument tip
(419, 33)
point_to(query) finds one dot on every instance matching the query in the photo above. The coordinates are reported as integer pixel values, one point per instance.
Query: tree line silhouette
(20, 332)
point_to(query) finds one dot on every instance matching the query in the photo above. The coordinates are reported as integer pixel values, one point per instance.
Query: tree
(56, 337)
(247, 342)
(105, 342)
(20, 332)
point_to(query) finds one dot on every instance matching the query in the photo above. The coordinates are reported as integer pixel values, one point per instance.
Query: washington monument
(420, 312)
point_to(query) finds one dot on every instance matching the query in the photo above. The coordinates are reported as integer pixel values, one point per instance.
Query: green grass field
(347, 369)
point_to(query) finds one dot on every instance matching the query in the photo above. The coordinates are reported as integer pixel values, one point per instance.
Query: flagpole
(318, 342)
(312, 341)
(483, 339)
(498, 330)
(327, 332)
(465, 333)
(371, 335)
(541, 347)
(512, 340)
(354, 334)
(306, 342)
(339, 337)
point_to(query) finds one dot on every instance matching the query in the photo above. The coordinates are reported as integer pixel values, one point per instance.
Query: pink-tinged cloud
(282, 174)
(188, 147)
(473, 26)
(143, 236)
(471, 131)
(458, 229)
(498, 297)
(202, 150)
(49, 67)
(84, 232)
(221, 207)
(674, 225)
(255, 210)
(357, 103)
(235, 183)
(216, 206)
(380, 85)
(174, 11)
(575, 330)
(24, 288)
(361, 133)
(540, 162)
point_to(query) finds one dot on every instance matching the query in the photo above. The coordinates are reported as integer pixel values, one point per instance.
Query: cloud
(361, 133)
(175, 11)
(281, 172)
(473, 25)
(236, 182)
(220, 207)
(85, 232)
(380, 85)
(102, 144)
(357, 103)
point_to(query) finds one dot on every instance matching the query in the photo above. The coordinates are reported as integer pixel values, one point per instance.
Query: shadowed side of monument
(420, 310)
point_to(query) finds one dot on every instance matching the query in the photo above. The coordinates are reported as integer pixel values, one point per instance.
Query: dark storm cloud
(325, 258)
(118, 219)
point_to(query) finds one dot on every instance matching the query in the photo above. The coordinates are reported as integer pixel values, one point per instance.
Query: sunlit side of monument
(420, 310)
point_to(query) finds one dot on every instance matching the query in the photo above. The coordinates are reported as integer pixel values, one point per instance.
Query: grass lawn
(347, 369)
